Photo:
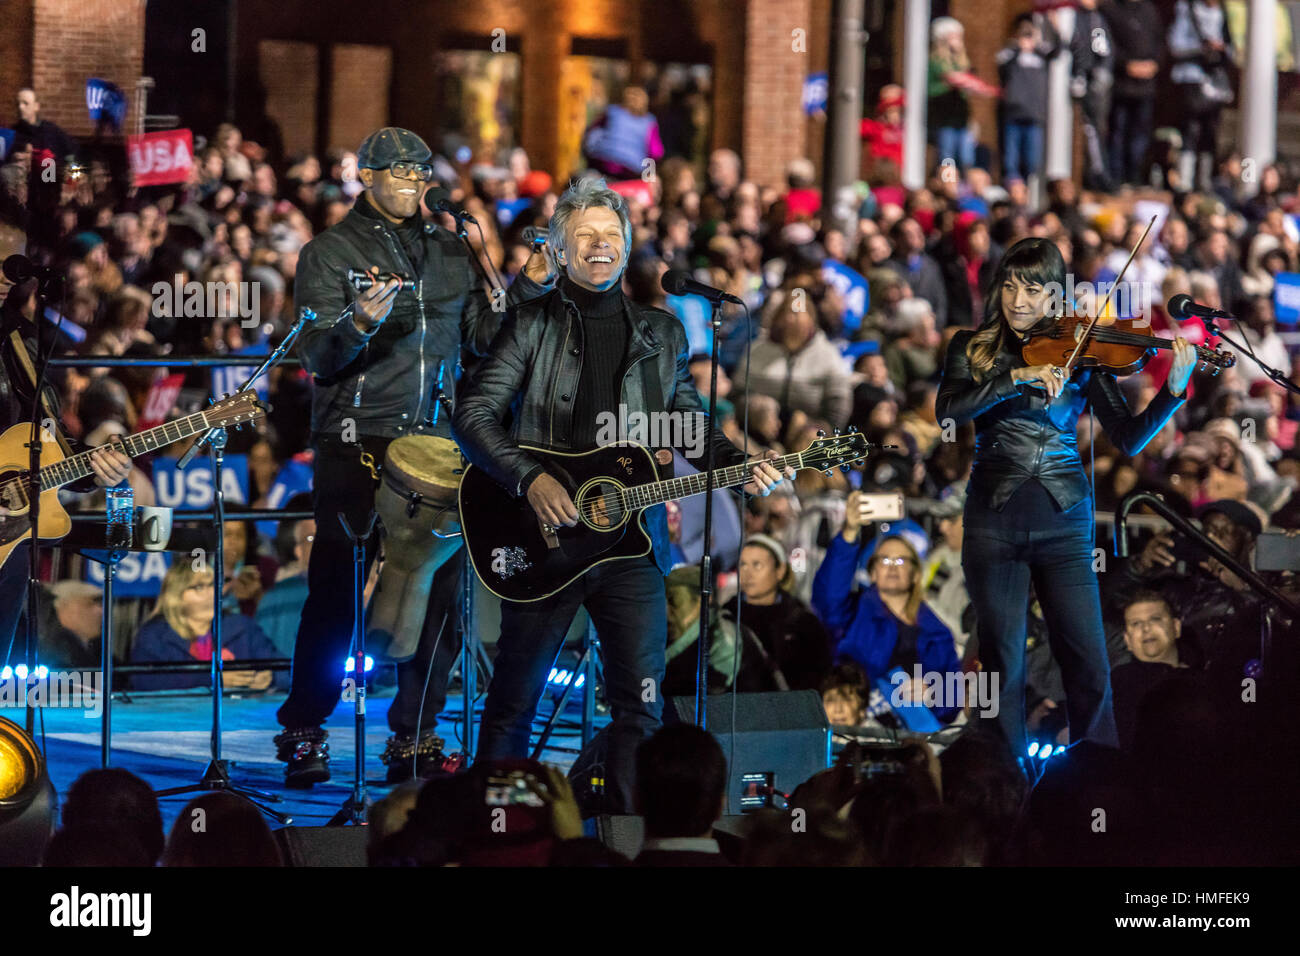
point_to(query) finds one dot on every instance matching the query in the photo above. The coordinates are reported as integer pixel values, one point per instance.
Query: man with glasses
(377, 359)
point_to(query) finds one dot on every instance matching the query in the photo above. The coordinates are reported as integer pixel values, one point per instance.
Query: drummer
(376, 359)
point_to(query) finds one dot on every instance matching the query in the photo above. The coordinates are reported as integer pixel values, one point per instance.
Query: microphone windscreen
(1177, 306)
(17, 268)
(674, 282)
(434, 195)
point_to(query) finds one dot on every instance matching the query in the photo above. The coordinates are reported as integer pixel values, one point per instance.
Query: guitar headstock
(835, 450)
(234, 410)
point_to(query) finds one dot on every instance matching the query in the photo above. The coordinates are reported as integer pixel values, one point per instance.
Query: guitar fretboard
(657, 492)
(76, 467)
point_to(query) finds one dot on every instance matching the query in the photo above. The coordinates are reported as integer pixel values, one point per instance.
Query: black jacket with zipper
(384, 381)
(524, 391)
(1020, 435)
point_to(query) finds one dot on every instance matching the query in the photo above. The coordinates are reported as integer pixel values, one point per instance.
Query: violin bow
(1069, 363)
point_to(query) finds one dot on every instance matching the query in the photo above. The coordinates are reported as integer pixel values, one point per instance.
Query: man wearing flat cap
(375, 358)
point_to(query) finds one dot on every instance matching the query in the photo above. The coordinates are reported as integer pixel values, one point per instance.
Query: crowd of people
(844, 329)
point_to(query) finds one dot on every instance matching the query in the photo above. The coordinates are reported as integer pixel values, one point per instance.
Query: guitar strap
(19, 347)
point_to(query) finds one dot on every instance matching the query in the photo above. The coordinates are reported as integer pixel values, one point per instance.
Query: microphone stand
(706, 554)
(216, 776)
(1276, 376)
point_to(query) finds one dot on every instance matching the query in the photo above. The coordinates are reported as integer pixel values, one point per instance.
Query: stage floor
(165, 739)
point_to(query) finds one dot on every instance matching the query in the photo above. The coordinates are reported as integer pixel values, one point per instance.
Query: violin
(1107, 343)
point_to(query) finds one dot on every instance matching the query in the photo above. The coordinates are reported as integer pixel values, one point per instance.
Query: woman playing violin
(1029, 509)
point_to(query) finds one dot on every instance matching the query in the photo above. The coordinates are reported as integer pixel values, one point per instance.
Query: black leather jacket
(1019, 435)
(532, 373)
(384, 381)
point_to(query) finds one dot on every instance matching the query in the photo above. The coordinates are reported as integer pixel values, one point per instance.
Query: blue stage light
(1033, 747)
(7, 673)
(42, 672)
(21, 671)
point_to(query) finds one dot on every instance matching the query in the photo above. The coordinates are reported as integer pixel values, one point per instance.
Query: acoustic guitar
(58, 470)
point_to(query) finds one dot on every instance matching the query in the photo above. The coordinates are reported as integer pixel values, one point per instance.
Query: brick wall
(290, 72)
(774, 128)
(72, 40)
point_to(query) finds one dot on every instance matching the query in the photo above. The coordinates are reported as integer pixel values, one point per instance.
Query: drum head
(425, 463)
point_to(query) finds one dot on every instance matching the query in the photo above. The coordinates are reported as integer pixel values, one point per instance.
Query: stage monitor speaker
(323, 846)
(781, 739)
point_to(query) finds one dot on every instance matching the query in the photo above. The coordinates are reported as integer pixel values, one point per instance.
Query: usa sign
(161, 158)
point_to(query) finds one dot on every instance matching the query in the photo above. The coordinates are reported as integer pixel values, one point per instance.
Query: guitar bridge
(549, 534)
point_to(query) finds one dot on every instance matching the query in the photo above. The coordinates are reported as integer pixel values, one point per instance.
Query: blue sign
(853, 289)
(106, 101)
(816, 93)
(1286, 297)
(138, 574)
(191, 489)
(294, 477)
(228, 379)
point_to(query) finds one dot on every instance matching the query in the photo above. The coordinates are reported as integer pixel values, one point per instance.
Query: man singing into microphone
(559, 362)
(375, 360)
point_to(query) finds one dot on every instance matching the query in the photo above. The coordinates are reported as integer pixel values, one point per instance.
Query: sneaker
(401, 753)
(306, 754)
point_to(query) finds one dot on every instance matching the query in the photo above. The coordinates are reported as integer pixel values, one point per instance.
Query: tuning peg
(846, 468)
(821, 433)
(837, 431)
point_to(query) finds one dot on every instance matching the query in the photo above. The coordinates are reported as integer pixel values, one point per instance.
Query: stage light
(42, 672)
(21, 671)
(581, 678)
(26, 798)
(1047, 751)
(7, 673)
(1033, 747)
(350, 664)
(550, 678)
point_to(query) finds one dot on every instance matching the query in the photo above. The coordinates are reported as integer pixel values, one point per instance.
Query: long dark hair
(1034, 260)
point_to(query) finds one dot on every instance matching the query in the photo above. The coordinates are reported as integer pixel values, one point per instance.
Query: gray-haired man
(560, 361)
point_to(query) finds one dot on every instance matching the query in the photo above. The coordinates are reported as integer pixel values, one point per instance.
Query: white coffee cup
(155, 527)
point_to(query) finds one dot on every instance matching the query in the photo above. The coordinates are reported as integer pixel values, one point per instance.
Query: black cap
(392, 144)
(1236, 512)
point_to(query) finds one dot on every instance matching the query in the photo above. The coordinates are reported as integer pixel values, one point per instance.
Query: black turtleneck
(604, 337)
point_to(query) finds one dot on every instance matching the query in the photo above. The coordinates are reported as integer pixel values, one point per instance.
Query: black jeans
(1001, 555)
(626, 602)
(325, 630)
(1130, 134)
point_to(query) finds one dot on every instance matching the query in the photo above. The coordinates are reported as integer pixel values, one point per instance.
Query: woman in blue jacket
(887, 625)
(180, 629)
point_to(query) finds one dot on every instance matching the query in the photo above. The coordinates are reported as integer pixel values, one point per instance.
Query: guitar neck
(657, 492)
(75, 467)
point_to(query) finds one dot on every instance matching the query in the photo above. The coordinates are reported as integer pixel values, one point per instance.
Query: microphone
(677, 282)
(19, 269)
(1184, 307)
(437, 199)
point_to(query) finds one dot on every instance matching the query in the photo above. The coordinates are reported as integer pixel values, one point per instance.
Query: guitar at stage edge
(58, 470)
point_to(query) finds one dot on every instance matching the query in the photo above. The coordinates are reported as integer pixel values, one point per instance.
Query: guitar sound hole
(601, 506)
(13, 495)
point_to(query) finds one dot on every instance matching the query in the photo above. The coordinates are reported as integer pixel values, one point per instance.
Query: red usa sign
(160, 158)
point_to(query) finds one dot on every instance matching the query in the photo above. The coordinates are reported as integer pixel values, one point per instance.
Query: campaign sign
(139, 574)
(1286, 297)
(853, 289)
(191, 489)
(161, 158)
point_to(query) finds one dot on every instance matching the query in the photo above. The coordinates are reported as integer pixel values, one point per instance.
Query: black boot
(404, 759)
(307, 754)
